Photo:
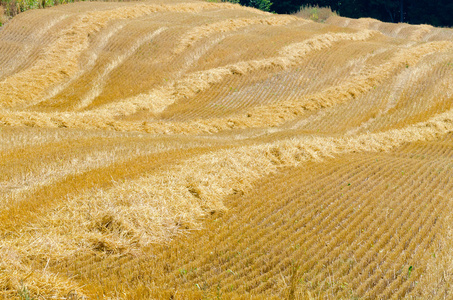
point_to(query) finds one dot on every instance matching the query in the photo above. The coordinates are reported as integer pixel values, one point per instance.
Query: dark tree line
(434, 12)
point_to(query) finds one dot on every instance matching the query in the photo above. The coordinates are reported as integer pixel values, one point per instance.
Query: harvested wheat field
(194, 150)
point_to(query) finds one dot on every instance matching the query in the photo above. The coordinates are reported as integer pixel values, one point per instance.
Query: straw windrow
(193, 150)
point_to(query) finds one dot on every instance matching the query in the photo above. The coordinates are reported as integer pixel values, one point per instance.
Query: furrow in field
(200, 32)
(321, 70)
(23, 44)
(99, 82)
(192, 150)
(238, 245)
(409, 97)
(277, 114)
(71, 188)
(194, 83)
(314, 235)
(188, 86)
(19, 138)
(59, 60)
(364, 266)
(316, 217)
(146, 67)
(271, 115)
(89, 61)
(324, 256)
(100, 235)
(403, 31)
(427, 227)
(422, 98)
(267, 158)
(49, 163)
(404, 80)
(232, 229)
(366, 218)
(208, 178)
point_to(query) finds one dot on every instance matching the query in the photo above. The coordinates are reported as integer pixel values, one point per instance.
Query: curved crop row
(182, 149)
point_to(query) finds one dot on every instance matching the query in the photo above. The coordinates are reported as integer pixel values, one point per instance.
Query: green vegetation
(316, 13)
(10, 8)
(2, 16)
(24, 294)
(264, 5)
(437, 13)
(414, 12)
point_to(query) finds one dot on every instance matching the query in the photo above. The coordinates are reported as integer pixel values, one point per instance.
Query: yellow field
(194, 150)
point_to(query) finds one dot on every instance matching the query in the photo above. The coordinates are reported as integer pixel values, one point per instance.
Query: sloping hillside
(196, 150)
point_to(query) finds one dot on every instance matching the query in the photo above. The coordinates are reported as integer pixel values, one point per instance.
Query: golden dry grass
(194, 150)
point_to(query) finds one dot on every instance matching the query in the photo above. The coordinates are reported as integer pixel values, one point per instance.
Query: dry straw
(230, 25)
(60, 60)
(271, 115)
(410, 32)
(91, 185)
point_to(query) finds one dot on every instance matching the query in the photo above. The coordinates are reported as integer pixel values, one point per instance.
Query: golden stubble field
(195, 150)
